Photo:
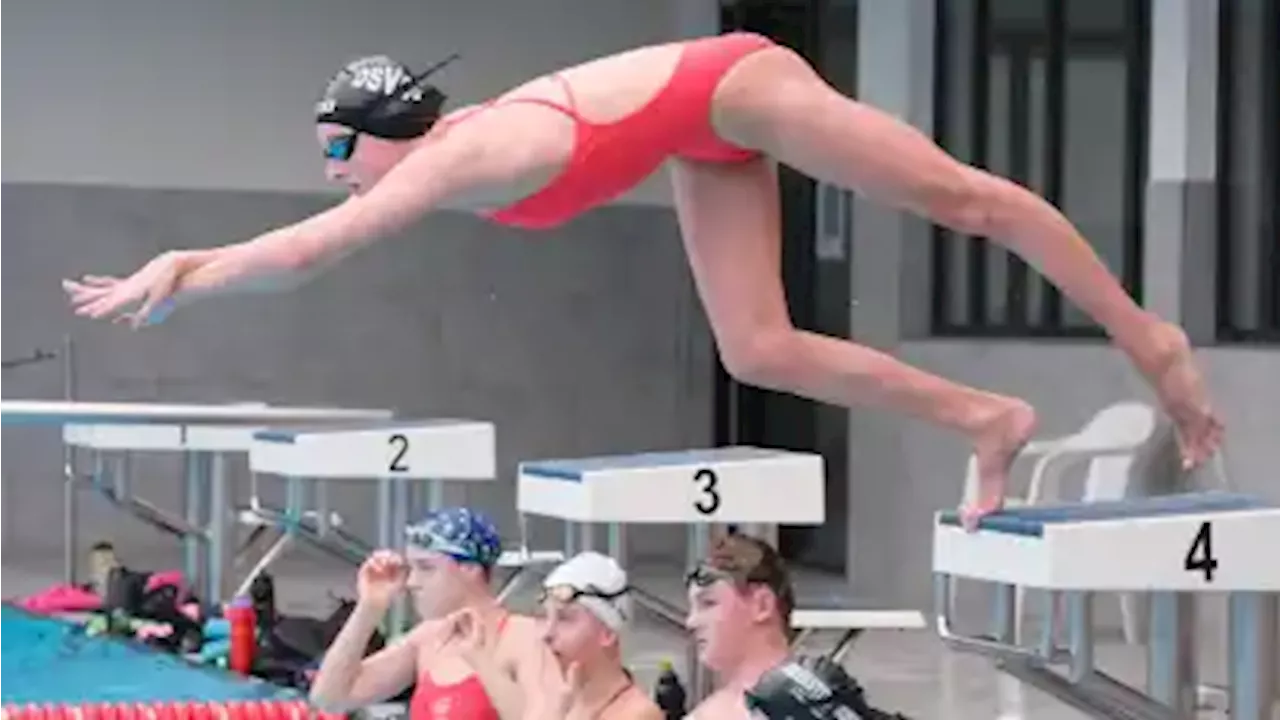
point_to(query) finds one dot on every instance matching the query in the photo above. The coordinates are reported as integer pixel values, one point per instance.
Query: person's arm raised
(347, 680)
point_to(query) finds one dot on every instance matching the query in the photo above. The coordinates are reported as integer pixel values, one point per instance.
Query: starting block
(394, 454)
(407, 450)
(54, 412)
(1174, 547)
(203, 434)
(725, 485)
(401, 457)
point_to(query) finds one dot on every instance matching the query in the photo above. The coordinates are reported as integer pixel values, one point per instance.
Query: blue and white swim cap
(462, 534)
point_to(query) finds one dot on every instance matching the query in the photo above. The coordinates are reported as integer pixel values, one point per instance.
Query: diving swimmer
(720, 112)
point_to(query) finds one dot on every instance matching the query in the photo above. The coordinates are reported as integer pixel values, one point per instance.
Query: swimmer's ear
(762, 601)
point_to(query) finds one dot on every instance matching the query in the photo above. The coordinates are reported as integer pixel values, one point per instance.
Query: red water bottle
(244, 631)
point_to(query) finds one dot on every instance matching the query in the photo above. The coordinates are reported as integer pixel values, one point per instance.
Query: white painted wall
(220, 93)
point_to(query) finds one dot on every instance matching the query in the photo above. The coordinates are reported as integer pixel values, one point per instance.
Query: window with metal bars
(1051, 94)
(1248, 277)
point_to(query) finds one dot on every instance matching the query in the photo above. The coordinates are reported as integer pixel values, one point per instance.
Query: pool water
(47, 660)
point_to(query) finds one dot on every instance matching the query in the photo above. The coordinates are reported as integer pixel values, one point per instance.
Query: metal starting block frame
(849, 617)
(203, 434)
(404, 459)
(1174, 547)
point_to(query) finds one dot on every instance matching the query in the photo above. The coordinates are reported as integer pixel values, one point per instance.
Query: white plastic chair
(1110, 442)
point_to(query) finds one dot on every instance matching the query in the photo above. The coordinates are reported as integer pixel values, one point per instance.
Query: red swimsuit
(467, 698)
(463, 699)
(611, 158)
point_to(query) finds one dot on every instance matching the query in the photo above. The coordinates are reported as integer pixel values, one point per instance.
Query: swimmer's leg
(729, 216)
(773, 100)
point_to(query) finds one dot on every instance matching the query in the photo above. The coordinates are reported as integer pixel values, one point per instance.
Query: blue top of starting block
(291, 434)
(1030, 520)
(574, 469)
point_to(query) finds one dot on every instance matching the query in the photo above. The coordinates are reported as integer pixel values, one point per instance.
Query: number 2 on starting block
(723, 485)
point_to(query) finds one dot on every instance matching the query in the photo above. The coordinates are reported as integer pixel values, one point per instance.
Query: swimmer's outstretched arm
(478, 157)
(437, 172)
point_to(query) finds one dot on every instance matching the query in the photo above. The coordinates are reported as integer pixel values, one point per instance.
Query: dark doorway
(816, 247)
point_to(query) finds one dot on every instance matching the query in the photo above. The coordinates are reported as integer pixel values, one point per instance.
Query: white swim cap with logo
(597, 583)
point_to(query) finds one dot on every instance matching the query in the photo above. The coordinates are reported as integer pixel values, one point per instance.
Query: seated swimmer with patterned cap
(740, 603)
(465, 634)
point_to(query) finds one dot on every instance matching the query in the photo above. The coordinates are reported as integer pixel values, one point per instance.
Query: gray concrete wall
(587, 341)
(191, 94)
(150, 125)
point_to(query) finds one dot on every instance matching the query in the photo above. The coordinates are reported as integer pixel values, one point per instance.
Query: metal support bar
(1254, 655)
(399, 521)
(195, 490)
(660, 608)
(1080, 627)
(1085, 688)
(700, 682)
(221, 530)
(1171, 666)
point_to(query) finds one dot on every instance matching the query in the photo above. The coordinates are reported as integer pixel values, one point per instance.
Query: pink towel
(169, 577)
(61, 598)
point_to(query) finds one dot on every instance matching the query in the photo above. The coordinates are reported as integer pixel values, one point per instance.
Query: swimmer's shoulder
(426, 634)
(519, 633)
(720, 705)
(634, 705)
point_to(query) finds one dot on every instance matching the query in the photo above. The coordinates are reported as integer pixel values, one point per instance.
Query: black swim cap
(382, 97)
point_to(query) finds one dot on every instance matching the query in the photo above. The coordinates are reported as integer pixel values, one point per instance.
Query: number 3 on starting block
(707, 500)
(722, 485)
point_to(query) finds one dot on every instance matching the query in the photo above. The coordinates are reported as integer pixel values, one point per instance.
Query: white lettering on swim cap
(385, 80)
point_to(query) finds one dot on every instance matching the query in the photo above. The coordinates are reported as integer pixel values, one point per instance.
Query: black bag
(812, 688)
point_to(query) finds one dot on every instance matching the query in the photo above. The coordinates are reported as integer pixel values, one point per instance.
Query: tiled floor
(908, 672)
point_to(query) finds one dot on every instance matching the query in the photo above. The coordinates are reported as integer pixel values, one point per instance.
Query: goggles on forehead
(704, 575)
(566, 594)
(340, 147)
(427, 540)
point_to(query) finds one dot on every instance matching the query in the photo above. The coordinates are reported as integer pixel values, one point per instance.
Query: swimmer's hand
(1179, 383)
(381, 578)
(466, 629)
(144, 298)
(560, 684)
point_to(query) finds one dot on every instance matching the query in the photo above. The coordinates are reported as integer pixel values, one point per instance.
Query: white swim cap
(597, 583)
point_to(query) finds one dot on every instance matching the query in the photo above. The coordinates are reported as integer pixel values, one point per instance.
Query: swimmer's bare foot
(1172, 371)
(999, 431)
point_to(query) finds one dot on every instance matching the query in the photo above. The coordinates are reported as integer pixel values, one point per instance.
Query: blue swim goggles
(340, 147)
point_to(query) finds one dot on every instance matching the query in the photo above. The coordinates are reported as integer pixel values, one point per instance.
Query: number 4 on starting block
(723, 485)
(1200, 555)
